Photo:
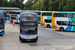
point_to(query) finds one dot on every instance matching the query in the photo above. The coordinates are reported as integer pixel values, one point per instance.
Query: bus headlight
(1, 31)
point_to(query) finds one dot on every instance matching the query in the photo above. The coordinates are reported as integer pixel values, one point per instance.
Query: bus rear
(28, 27)
(2, 21)
(63, 21)
(46, 18)
(15, 15)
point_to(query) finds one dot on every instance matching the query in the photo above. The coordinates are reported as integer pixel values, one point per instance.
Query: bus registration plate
(28, 36)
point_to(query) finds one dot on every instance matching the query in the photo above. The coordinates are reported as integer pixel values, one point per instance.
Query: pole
(39, 5)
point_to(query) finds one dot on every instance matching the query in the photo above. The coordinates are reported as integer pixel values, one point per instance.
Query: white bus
(63, 21)
(46, 18)
(15, 16)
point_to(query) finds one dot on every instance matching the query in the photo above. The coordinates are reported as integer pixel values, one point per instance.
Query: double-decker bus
(63, 21)
(46, 18)
(28, 26)
(38, 14)
(15, 16)
(2, 23)
(7, 14)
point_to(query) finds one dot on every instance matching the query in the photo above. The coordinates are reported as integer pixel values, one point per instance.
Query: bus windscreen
(28, 17)
(1, 24)
(1, 15)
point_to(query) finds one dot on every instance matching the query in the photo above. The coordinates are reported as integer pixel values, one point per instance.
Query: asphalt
(48, 39)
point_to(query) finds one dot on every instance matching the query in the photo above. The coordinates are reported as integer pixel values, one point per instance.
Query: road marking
(14, 43)
(5, 24)
(38, 28)
(18, 27)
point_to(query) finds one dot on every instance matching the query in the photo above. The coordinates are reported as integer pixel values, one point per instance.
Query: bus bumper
(22, 39)
(2, 33)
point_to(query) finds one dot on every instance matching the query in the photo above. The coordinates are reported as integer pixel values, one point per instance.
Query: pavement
(48, 39)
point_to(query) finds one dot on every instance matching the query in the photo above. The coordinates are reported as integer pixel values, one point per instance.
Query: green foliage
(12, 3)
(29, 4)
(70, 5)
(38, 5)
(52, 5)
(43, 5)
(1, 3)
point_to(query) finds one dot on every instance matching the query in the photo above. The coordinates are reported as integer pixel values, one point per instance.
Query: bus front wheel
(61, 29)
(48, 26)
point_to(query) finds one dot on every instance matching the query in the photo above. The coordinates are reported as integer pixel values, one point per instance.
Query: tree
(53, 5)
(70, 5)
(62, 3)
(46, 5)
(1, 3)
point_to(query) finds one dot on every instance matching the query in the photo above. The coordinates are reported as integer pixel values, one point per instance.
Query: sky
(24, 1)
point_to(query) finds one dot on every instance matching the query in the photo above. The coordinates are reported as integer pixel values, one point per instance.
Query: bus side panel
(42, 23)
(53, 23)
(73, 20)
(39, 18)
(73, 29)
(69, 28)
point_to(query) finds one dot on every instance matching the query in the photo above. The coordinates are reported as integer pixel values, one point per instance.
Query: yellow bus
(46, 18)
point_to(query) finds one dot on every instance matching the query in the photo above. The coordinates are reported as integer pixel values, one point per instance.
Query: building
(9, 8)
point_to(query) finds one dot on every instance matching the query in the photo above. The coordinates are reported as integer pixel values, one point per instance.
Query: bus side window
(73, 15)
(67, 23)
(65, 15)
(58, 23)
(56, 15)
(69, 15)
(61, 22)
(48, 21)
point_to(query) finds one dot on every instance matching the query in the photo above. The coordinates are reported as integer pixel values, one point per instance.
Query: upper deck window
(64, 15)
(38, 13)
(46, 14)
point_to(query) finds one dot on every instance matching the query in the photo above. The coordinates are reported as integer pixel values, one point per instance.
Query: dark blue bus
(2, 23)
(28, 26)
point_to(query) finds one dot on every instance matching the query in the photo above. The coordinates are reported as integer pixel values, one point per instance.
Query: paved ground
(48, 40)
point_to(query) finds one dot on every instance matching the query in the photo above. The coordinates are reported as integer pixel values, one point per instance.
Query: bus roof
(1, 11)
(15, 10)
(65, 12)
(35, 11)
(28, 13)
(48, 11)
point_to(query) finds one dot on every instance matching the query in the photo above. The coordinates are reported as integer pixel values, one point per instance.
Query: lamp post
(39, 5)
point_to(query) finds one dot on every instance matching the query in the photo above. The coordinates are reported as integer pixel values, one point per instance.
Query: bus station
(38, 29)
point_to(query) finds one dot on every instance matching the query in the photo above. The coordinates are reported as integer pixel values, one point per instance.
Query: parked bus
(63, 21)
(46, 18)
(28, 26)
(2, 23)
(15, 15)
(7, 14)
(38, 14)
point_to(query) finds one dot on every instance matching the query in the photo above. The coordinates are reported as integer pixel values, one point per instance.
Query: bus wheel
(48, 26)
(61, 29)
